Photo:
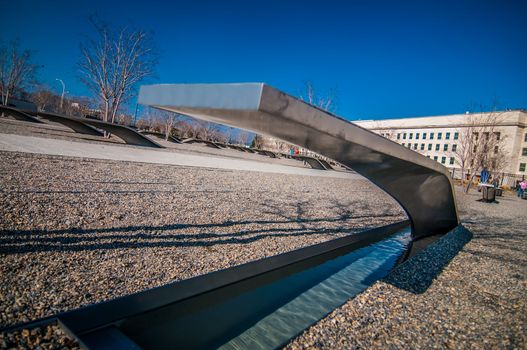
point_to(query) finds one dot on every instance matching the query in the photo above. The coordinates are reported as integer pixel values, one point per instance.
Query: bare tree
(16, 70)
(114, 63)
(324, 102)
(45, 99)
(242, 137)
(480, 145)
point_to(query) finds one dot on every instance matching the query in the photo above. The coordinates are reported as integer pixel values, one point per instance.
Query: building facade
(440, 137)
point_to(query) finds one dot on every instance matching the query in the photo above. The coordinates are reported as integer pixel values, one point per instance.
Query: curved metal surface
(422, 186)
(160, 135)
(72, 123)
(128, 135)
(18, 115)
(313, 162)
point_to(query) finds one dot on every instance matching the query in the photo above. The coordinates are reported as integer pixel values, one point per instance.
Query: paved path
(31, 144)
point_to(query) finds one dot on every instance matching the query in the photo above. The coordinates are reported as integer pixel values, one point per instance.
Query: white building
(438, 137)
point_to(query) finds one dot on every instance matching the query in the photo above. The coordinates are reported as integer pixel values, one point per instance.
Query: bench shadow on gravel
(417, 273)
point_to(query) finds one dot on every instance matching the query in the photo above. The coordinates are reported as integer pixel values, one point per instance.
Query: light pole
(63, 90)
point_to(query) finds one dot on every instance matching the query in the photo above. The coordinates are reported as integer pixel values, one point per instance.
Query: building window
(451, 160)
(439, 135)
(525, 138)
(415, 145)
(487, 136)
(497, 135)
(496, 149)
(435, 157)
(417, 136)
(402, 144)
(424, 136)
(445, 147)
(522, 166)
(476, 136)
(422, 147)
(437, 147)
(443, 160)
(411, 135)
(454, 147)
(429, 146)
(398, 136)
(524, 151)
(404, 136)
(431, 136)
(456, 135)
(409, 145)
(447, 136)
(428, 156)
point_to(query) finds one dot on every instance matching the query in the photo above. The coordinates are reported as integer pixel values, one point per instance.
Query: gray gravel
(444, 298)
(74, 232)
(47, 337)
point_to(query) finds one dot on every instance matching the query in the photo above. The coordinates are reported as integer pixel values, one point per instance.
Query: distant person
(484, 175)
(521, 188)
(496, 182)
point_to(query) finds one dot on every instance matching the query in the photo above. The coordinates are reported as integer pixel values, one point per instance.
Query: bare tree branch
(113, 64)
(16, 70)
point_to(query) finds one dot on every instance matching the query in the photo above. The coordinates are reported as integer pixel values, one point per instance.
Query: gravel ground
(50, 336)
(75, 231)
(453, 295)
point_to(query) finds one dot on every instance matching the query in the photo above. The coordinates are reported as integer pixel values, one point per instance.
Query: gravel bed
(78, 231)
(466, 291)
(47, 337)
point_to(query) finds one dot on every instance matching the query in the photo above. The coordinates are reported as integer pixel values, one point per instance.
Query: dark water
(266, 311)
(346, 276)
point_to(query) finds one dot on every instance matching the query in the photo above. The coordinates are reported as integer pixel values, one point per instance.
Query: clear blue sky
(386, 59)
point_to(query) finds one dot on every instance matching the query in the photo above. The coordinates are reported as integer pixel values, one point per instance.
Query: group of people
(486, 177)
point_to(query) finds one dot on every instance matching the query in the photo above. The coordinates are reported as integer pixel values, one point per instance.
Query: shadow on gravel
(418, 273)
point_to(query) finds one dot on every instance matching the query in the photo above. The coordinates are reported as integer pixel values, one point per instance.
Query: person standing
(521, 188)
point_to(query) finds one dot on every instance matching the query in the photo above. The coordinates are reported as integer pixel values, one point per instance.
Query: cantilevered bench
(76, 125)
(265, 153)
(326, 164)
(161, 135)
(128, 135)
(18, 115)
(191, 140)
(313, 162)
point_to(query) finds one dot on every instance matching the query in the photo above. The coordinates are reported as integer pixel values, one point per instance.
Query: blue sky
(385, 59)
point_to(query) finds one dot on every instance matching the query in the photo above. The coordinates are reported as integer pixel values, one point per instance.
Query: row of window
(525, 138)
(429, 147)
(443, 159)
(524, 151)
(424, 135)
(522, 166)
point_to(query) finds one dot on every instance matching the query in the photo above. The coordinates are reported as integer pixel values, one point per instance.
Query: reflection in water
(342, 278)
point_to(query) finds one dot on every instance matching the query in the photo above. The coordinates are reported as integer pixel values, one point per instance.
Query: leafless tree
(114, 63)
(45, 99)
(242, 137)
(257, 141)
(16, 70)
(480, 145)
(324, 102)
